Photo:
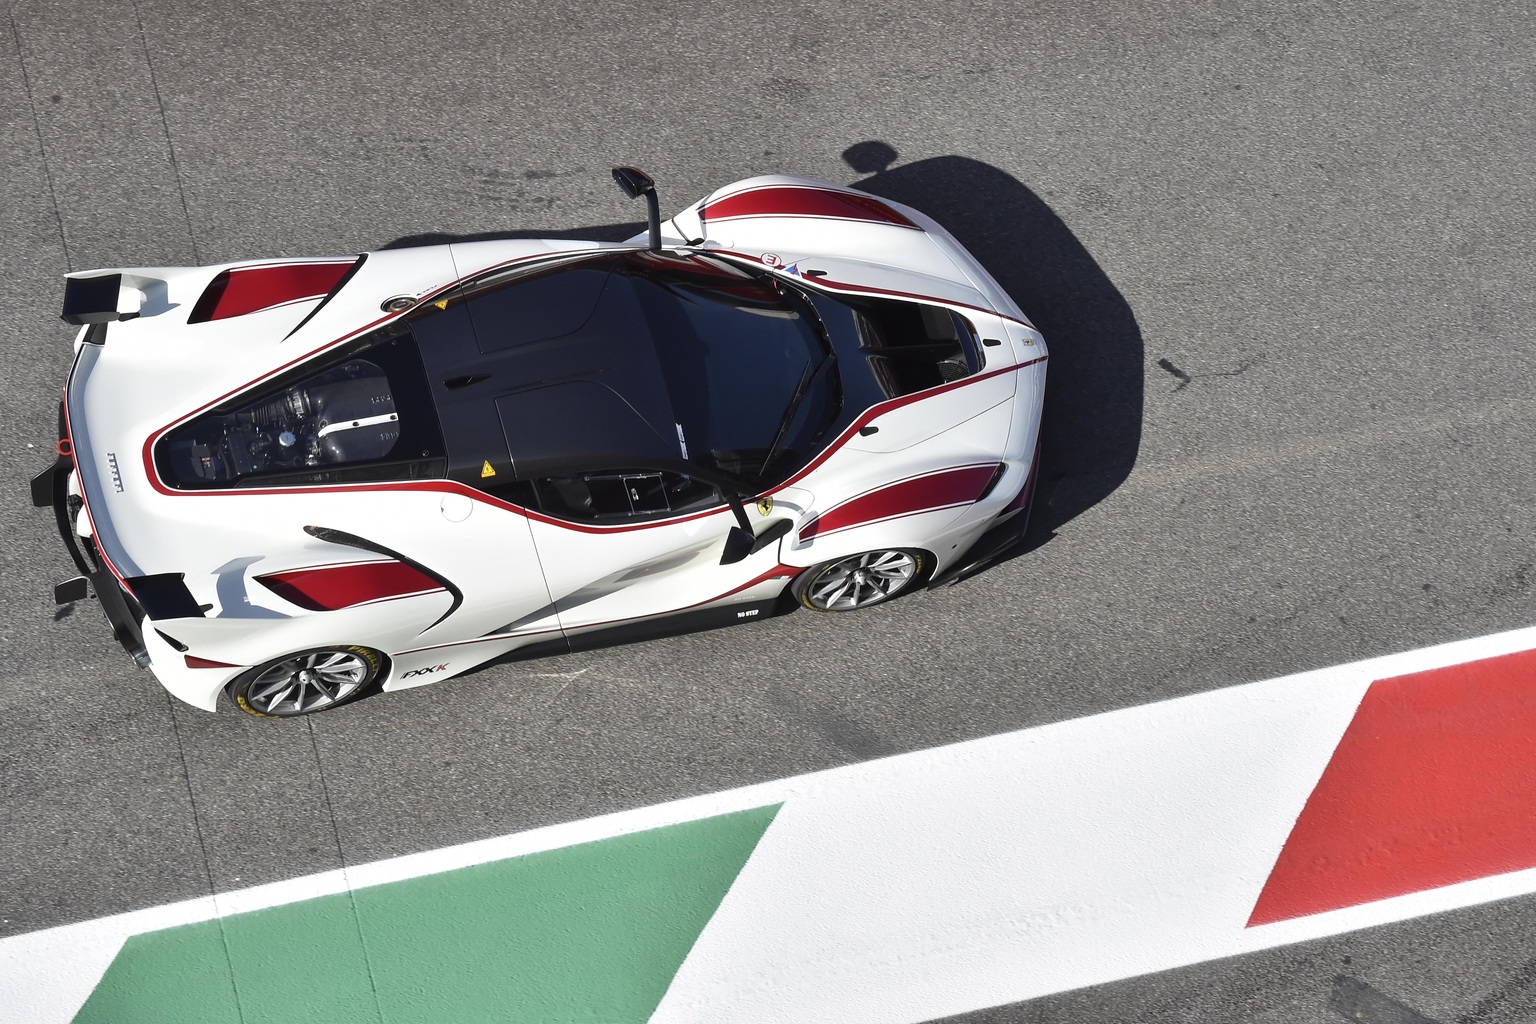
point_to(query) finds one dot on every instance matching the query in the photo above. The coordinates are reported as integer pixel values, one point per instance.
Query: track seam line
(165, 124)
(37, 129)
(202, 846)
(357, 920)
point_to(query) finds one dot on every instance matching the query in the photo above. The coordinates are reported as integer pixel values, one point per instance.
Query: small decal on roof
(487, 470)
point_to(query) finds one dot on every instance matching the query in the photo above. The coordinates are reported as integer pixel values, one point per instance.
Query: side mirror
(633, 181)
(738, 545)
(637, 183)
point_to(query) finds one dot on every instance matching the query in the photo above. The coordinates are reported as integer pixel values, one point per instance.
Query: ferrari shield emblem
(764, 505)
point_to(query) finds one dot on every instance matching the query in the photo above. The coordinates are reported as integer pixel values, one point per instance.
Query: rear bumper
(50, 489)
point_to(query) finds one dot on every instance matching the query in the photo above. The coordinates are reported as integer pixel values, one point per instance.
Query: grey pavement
(1282, 252)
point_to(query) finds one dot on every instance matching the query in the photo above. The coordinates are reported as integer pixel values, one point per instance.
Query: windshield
(627, 360)
(745, 366)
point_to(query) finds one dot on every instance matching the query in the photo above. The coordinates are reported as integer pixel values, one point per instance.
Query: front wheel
(306, 682)
(858, 581)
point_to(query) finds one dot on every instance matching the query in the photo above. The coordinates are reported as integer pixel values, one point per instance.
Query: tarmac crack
(1486, 1006)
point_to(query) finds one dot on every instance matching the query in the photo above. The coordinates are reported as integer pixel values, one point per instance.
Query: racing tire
(858, 581)
(307, 682)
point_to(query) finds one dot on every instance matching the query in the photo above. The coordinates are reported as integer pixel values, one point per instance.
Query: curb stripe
(1086, 852)
(1434, 783)
(590, 932)
(1014, 866)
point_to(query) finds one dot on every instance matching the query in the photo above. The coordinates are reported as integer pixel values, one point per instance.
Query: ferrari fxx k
(295, 482)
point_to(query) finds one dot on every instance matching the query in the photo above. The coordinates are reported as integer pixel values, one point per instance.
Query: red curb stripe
(1433, 783)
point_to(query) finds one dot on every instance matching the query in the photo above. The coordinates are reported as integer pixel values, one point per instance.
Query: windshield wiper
(807, 378)
(787, 290)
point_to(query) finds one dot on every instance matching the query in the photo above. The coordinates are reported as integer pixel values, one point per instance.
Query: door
(620, 547)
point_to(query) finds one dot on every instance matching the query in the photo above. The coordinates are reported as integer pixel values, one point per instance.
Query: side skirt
(652, 629)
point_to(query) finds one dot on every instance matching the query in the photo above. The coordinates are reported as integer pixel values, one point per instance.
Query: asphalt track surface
(1282, 258)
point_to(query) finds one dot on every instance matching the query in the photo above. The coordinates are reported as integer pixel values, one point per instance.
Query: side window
(623, 494)
(914, 346)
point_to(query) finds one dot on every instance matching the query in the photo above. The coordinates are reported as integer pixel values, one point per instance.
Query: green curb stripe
(591, 933)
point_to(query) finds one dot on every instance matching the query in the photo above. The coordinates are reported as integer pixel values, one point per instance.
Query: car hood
(843, 238)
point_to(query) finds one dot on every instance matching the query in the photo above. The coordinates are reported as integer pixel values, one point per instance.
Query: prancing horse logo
(764, 505)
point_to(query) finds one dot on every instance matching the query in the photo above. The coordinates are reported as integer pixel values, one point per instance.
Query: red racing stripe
(827, 284)
(800, 201)
(927, 493)
(250, 289)
(329, 588)
(1433, 783)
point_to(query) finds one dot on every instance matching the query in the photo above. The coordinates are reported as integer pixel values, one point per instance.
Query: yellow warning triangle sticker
(444, 305)
(486, 470)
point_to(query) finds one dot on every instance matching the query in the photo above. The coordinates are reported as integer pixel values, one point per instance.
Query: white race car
(300, 481)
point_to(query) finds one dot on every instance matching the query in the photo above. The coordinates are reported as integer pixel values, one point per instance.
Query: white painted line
(1042, 861)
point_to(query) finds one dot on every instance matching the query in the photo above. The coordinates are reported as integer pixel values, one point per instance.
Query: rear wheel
(306, 682)
(858, 581)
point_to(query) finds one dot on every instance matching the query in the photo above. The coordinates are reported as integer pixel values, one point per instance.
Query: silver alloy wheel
(861, 580)
(307, 682)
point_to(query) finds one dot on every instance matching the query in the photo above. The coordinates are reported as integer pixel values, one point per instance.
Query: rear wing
(203, 293)
(94, 300)
(105, 296)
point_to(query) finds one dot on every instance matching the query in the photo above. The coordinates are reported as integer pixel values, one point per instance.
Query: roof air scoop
(637, 183)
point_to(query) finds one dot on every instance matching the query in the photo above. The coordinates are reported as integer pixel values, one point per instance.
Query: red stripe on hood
(800, 201)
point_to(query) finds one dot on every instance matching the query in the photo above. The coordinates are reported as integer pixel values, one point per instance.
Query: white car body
(522, 577)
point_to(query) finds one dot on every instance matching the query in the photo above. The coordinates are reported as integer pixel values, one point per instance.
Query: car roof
(550, 373)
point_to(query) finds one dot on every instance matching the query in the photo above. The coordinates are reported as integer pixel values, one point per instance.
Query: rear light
(193, 661)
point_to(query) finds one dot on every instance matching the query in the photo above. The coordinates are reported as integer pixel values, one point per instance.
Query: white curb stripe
(1040, 861)
(1037, 862)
